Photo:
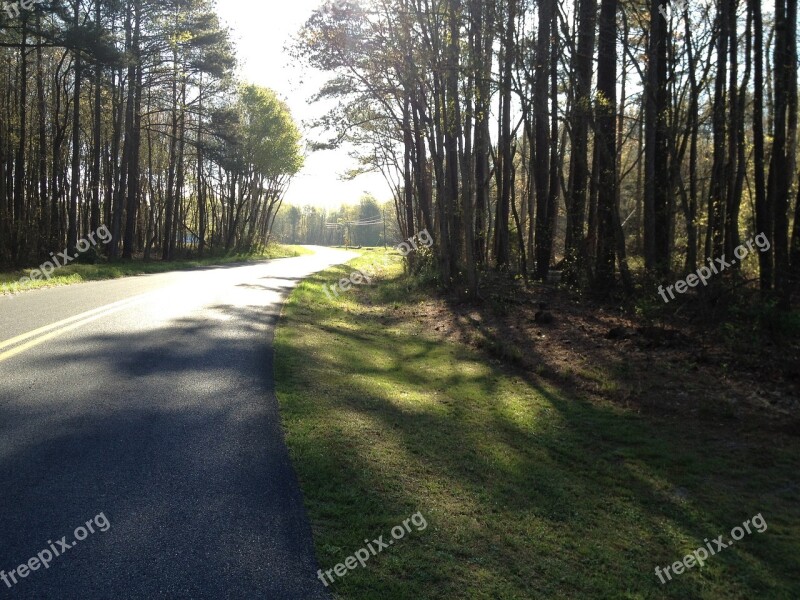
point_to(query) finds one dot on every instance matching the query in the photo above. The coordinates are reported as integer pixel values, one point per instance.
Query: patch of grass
(529, 492)
(79, 272)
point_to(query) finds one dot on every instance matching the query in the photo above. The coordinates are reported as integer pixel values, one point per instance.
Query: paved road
(155, 408)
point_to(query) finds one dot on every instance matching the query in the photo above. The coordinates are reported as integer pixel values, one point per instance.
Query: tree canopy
(129, 114)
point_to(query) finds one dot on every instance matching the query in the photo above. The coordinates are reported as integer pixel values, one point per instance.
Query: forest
(618, 142)
(368, 223)
(129, 114)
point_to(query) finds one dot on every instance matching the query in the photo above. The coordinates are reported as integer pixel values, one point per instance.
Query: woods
(618, 142)
(129, 114)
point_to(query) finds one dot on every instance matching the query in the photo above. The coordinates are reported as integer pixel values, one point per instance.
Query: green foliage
(270, 137)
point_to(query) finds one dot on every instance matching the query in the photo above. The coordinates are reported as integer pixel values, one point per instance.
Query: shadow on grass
(531, 492)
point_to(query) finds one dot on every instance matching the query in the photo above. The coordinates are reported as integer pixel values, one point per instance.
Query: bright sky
(261, 29)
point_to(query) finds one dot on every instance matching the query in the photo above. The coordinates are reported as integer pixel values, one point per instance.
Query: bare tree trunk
(581, 116)
(541, 149)
(44, 201)
(778, 183)
(94, 221)
(135, 81)
(504, 152)
(657, 189)
(17, 233)
(606, 144)
(763, 210)
(452, 112)
(72, 225)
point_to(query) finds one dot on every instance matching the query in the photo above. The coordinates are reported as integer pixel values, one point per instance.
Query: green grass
(528, 492)
(78, 273)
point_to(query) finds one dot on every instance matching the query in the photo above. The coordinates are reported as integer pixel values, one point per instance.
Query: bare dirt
(681, 368)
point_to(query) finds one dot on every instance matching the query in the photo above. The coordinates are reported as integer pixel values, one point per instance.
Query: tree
(605, 144)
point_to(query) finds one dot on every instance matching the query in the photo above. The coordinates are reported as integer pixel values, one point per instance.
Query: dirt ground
(680, 368)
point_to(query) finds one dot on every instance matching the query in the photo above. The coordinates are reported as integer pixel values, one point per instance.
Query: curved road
(139, 414)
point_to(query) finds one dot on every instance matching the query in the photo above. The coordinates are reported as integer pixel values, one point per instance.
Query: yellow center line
(61, 327)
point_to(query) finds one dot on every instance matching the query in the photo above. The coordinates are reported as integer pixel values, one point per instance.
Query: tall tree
(605, 144)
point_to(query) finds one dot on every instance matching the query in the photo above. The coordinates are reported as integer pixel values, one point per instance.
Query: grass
(78, 273)
(528, 491)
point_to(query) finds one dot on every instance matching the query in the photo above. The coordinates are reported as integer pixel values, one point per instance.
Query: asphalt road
(151, 400)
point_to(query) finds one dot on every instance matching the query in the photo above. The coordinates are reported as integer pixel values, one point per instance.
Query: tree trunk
(606, 144)
(581, 116)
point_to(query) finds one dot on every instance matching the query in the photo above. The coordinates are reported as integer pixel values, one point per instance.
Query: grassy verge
(528, 491)
(77, 273)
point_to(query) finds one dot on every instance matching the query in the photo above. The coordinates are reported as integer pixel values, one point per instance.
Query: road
(145, 406)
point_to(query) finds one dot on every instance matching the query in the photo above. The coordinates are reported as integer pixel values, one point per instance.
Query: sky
(261, 29)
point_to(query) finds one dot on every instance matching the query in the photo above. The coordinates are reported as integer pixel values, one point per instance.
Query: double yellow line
(19, 344)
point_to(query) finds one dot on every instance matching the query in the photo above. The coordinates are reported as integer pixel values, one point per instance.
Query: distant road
(151, 400)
